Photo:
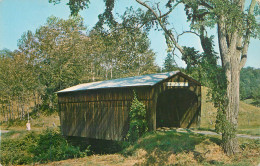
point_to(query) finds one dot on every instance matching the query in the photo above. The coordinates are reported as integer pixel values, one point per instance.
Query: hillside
(248, 119)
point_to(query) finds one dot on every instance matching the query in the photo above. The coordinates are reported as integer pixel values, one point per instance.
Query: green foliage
(208, 13)
(223, 126)
(139, 19)
(256, 95)
(204, 68)
(16, 151)
(169, 63)
(191, 58)
(110, 45)
(59, 55)
(249, 85)
(49, 145)
(138, 123)
(165, 141)
(107, 17)
(75, 5)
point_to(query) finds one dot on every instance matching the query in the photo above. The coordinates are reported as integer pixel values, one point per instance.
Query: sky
(19, 16)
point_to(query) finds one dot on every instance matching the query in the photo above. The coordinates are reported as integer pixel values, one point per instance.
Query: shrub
(138, 124)
(16, 151)
(49, 145)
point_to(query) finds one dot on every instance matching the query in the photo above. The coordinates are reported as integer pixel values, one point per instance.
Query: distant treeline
(250, 84)
(64, 53)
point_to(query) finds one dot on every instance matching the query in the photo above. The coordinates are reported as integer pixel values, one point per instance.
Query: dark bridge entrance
(176, 108)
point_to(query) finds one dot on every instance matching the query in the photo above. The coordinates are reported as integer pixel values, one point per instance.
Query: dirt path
(187, 131)
(238, 135)
(207, 132)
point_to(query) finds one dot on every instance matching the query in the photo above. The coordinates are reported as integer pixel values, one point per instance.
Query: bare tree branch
(205, 4)
(167, 32)
(171, 9)
(185, 33)
(247, 37)
(158, 8)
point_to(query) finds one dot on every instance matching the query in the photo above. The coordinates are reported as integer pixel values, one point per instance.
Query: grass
(164, 148)
(255, 132)
(12, 134)
(173, 148)
(37, 124)
(166, 141)
(248, 118)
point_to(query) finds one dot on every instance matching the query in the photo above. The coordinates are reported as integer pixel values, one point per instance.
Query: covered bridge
(100, 109)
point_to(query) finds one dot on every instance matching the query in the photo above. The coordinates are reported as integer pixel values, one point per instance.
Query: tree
(5, 83)
(169, 63)
(57, 54)
(124, 50)
(249, 85)
(235, 26)
(60, 54)
(17, 82)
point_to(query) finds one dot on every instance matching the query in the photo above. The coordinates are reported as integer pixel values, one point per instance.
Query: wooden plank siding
(104, 113)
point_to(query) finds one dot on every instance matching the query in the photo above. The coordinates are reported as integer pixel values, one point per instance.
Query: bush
(49, 145)
(138, 124)
(16, 151)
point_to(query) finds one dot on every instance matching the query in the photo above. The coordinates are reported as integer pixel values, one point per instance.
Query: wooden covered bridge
(100, 109)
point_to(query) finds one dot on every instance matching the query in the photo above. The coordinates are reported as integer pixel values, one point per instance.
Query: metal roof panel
(144, 80)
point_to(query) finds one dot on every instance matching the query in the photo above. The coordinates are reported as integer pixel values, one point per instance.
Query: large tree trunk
(230, 144)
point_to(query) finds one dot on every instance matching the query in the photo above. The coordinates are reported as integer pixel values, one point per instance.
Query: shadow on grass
(171, 148)
(98, 146)
(169, 141)
(206, 129)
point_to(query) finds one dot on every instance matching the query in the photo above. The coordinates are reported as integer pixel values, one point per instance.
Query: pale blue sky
(18, 16)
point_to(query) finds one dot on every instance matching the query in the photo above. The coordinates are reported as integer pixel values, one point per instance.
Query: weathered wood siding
(100, 114)
(103, 113)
